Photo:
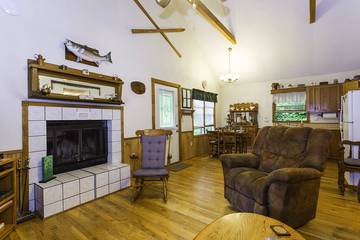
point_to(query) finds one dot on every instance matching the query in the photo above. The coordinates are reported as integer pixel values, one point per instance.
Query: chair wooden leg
(136, 191)
(164, 180)
(358, 191)
(341, 182)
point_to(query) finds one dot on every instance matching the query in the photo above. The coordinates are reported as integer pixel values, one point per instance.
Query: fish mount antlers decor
(84, 54)
(138, 87)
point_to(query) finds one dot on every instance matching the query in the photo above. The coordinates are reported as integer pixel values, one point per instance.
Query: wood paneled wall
(192, 146)
(131, 146)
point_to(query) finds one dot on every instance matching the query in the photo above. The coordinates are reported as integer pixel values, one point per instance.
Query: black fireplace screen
(76, 144)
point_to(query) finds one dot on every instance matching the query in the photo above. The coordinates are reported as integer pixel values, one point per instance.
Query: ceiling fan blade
(179, 6)
(218, 7)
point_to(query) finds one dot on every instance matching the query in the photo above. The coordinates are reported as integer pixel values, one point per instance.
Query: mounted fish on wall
(84, 54)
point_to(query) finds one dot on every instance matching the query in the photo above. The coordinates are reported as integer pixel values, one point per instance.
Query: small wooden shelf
(289, 90)
(6, 230)
(8, 204)
(187, 111)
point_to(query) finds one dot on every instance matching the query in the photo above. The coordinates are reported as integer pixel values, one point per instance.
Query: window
(290, 107)
(204, 117)
(166, 108)
(186, 98)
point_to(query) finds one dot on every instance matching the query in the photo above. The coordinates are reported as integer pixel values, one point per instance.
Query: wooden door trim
(153, 112)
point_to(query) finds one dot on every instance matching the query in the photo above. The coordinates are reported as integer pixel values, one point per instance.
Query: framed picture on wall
(186, 98)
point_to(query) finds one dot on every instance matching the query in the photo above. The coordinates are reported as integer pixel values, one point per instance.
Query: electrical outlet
(191, 143)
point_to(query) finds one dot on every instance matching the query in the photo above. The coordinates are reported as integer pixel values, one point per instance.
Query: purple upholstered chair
(153, 157)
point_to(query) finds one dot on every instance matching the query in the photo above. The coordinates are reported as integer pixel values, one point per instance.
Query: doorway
(166, 113)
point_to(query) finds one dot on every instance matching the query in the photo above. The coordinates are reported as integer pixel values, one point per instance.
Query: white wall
(42, 27)
(276, 41)
(259, 92)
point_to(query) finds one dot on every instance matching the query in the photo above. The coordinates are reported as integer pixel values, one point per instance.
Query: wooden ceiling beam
(167, 30)
(137, 2)
(210, 17)
(312, 11)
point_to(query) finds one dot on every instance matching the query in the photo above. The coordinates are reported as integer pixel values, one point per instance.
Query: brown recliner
(281, 177)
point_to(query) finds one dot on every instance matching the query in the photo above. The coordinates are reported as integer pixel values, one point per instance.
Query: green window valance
(204, 96)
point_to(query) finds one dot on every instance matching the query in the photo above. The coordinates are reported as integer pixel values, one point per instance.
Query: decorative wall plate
(138, 87)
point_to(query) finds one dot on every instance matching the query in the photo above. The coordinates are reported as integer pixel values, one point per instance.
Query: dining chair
(214, 141)
(228, 141)
(154, 151)
(348, 164)
(241, 143)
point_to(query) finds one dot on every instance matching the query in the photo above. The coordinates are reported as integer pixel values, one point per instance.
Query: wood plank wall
(192, 146)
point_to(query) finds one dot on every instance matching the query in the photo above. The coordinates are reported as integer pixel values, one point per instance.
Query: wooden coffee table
(244, 226)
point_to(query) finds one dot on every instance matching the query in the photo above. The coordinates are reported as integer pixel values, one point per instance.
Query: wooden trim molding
(312, 11)
(211, 18)
(62, 104)
(137, 2)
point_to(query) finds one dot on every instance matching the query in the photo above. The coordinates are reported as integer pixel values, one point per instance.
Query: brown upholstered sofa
(281, 177)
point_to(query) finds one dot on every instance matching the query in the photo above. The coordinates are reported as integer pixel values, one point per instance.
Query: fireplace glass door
(76, 144)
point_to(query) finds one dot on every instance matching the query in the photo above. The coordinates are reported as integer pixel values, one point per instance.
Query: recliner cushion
(249, 182)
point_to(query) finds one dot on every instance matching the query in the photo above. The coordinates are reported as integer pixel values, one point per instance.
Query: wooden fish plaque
(138, 87)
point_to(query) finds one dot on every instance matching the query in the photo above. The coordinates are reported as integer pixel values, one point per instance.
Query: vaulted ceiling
(274, 38)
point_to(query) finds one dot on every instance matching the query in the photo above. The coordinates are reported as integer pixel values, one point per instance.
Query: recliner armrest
(292, 175)
(239, 160)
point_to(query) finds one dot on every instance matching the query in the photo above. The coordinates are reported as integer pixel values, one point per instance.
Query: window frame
(204, 118)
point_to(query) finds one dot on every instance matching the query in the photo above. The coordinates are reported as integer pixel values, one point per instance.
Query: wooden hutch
(244, 116)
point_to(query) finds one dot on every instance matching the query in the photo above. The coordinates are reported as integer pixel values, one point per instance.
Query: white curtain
(290, 101)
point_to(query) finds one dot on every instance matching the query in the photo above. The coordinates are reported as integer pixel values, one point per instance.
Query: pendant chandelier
(163, 3)
(229, 77)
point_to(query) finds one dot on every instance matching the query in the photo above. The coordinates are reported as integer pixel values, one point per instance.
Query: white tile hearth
(115, 125)
(83, 114)
(31, 192)
(114, 147)
(71, 202)
(49, 210)
(87, 196)
(125, 172)
(36, 113)
(102, 191)
(35, 175)
(35, 158)
(37, 128)
(101, 176)
(87, 180)
(95, 114)
(116, 115)
(125, 183)
(71, 184)
(47, 193)
(32, 205)
(107, 114)
(37, 144)
(79, 186)
(114, 187)
(69, 114)
(53, 113)
(115, 136)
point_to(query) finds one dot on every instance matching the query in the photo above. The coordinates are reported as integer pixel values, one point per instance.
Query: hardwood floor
(195, 200)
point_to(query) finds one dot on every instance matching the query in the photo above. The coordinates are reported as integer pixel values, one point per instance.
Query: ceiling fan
(218, 9)
(170, 6)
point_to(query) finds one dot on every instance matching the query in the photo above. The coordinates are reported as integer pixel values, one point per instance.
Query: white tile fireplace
(37, 116)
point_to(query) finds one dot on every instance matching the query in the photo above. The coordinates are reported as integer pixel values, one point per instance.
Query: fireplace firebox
(77, 144)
